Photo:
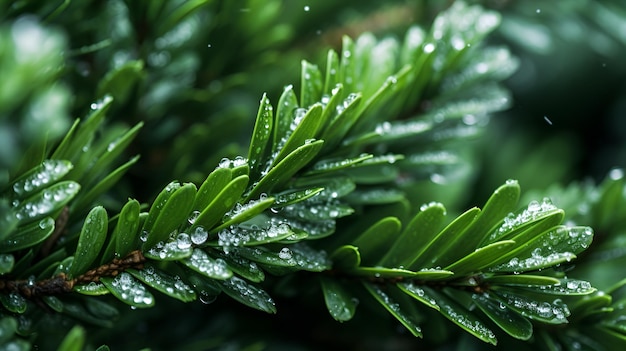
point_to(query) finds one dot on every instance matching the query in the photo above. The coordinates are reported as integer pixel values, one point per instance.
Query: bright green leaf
(47, 202)
(287, 104)
(463, 318)
(377, 239)
(248, 294)
(481, 258)
(215, 182)
(242, 213)
(554, 312)
(128, 290)
(286, 168)
(120, 81)
(224, 201)
(74, 340)
(165, 283)
(260, 137)
(421, 230)
(27, 236)
(90, 241)
(408, 320)
(511, 322)
(438, 246)
(346, 257)
(303, 128)
(174, 212)
(40, 177)
(340, 304)
(311, 84)
(202, 263)
(126, 233)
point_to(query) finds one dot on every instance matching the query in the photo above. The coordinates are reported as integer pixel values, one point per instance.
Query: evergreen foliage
(169, 215)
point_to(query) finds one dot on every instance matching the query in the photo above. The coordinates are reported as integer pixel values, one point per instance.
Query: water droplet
(183, 241)
(616, 174)
(285, 254)
(547, 120)
(199, 235)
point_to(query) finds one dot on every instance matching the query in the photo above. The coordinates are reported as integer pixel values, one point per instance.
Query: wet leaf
(27, 236)
(215, 182)
(564, 287)
(311, 84)
(125, 233)
(303, 128)
(420, 293)
(284, 115)
(393, 307)
(501, 202)
(90, 241)
(260, 136)
(120, 81)
(242, 213)
(437, 247)
(92, 289)
(521, 280)
(74, 340)
(79, 137)
(377, 239)
(202, 263)
(421, 230)
(481, 258)
(248, 294)
(13, 302)
(128, 290)
(243, 267)
(6, 262)
(511, 322)
(165, 283)
(286, 168)
(172, 250)
(346, 257)
(174, 212)
(282, 257)
(551, 312)
(332, 72)
(38, 178)
(334, 165)
(340, 304)
(47, 202)
(221, 203)
(291, 197)
(463, 318)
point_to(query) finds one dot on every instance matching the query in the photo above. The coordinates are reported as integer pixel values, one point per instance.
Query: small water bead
(285, 254)
(534, 211)
(199, 235)
(192, 218)
(616, 174)
(207, 298)
(236, 162)
(129, 288)
(215, 268)
(183, 241)
(428, 48)
(144, 235)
